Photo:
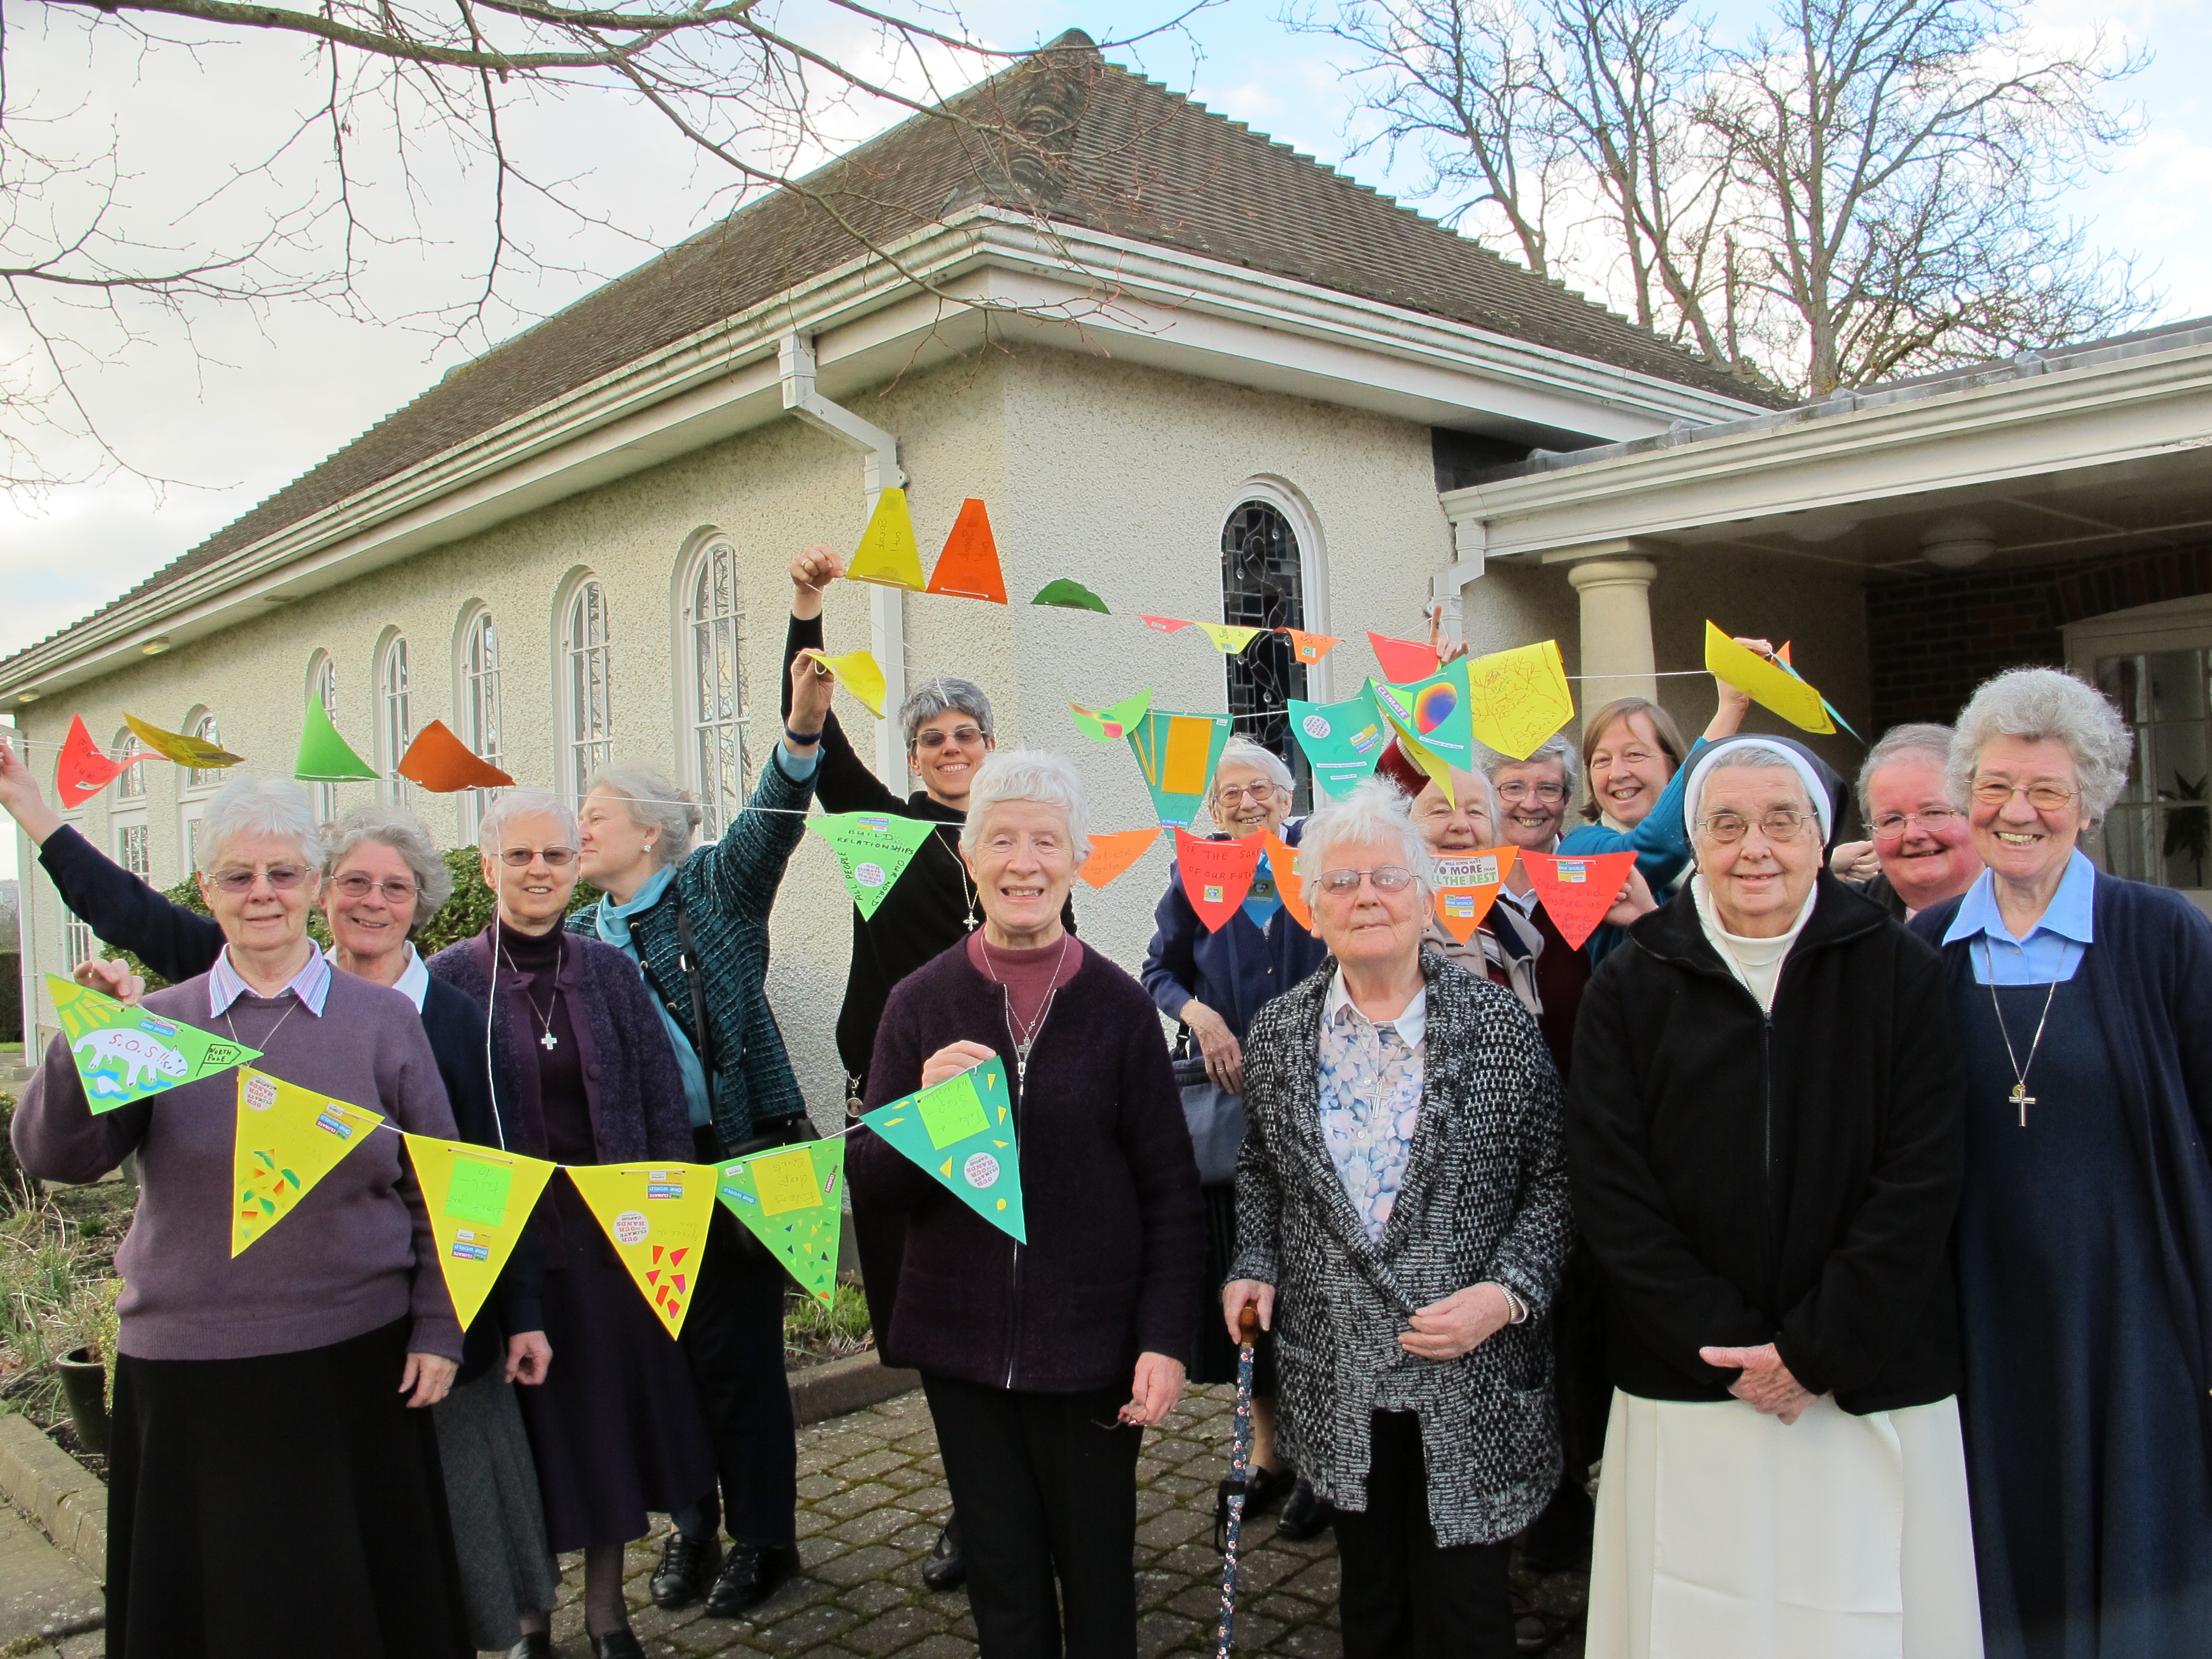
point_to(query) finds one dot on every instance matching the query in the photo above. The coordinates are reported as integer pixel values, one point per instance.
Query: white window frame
(323, 683)
(583, 663)
(196, 787)
(395, 716)
(130, 784)
(477, 705)
(701, 719)
(119, 828)
(1287, 499)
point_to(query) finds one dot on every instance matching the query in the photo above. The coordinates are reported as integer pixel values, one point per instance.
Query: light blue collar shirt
(2054, 947)
(311, 984)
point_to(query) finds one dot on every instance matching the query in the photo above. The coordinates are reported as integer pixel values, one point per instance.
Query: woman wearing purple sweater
(272, 1481)
(1044, 1362)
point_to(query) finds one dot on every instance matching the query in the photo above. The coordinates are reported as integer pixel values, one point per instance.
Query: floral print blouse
(1371, 1099)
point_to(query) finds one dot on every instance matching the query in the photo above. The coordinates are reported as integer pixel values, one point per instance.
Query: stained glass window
(1263, 586)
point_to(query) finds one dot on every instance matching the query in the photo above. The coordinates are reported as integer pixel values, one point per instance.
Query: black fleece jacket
(1745, 1178)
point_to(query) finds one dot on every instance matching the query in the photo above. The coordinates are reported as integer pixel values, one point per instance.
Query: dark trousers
(1404, 1596)
(1046, 1485)
(733, 1336)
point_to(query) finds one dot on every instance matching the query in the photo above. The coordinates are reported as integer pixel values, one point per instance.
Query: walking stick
(1234, 1489)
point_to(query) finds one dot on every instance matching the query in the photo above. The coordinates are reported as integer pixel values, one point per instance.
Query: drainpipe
(794, 356)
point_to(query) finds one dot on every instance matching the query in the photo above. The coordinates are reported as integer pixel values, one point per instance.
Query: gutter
(880, 471)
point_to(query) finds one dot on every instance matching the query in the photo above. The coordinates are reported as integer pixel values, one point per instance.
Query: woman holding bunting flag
(274, 1475)
(1044, 1360)
(617, 1425)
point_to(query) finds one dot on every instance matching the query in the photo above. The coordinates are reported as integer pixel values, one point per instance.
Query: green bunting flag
(962, 1133)
(1342, 740)
(790, 1199)
(1112, 722)
(125, 1054)
(873, 849)
(1070, 595)
(1438, 711)
(324, 757)
(1177, 754)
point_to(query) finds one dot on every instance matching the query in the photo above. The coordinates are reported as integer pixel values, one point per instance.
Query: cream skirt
(1723, 1534)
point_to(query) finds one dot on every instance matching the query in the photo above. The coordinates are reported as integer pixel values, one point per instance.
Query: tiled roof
(1065, 135)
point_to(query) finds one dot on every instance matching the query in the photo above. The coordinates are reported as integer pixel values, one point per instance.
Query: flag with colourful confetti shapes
(792, 1199)
(655, 1216)
(287, 1139)
(962, 1133)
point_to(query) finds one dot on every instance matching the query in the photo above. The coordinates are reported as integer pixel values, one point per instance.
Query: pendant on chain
(2021, 1098)
(549, 1042)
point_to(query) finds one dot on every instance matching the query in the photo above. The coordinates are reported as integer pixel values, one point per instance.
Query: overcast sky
(269, 397)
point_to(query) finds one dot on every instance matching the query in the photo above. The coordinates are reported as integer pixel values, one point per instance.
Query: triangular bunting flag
(1262, 900)
(1518, 698)
(1310, 647)
(1164, 624)
(83, 771)
(873, 850)
(441, 763)
(1114, 722)
(791, 1200)
(859, 672)
(1766, 683)
(1432, 764)
(1435, 710)
(1782, 656)
(479, 1198)
(1577, 891)
(655, 1216)
(962, 1133)
(1112, 853)
(123, 1055)
(1228, 640)
(887, 555)
(176, 746)
(324, 757)
(1177, 754)
(1342, 740)
(1466, 888)
(1289, 883)
(287, 1138)
(1402, 660)
(967, 568)
(1070, 595)
(1215, 874)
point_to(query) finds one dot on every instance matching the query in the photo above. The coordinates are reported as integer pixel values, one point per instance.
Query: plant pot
(85, 1385)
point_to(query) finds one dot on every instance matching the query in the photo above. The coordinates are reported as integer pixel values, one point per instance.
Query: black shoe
(1306, 1514)
(1266, 1487)
(534, 1644)
(688, 1566)
(749, 1577)
(616, 1644)
(946, 1568)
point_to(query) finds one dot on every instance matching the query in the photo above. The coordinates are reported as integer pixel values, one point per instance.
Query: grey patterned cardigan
(1483, 1198)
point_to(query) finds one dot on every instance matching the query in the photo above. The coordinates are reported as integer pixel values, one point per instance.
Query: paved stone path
(871, 1496)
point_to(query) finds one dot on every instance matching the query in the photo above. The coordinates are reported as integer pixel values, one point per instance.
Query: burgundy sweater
(1109, 1190)
(354, 1255)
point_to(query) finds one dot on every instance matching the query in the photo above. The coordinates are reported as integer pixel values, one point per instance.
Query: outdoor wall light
(1955, 543)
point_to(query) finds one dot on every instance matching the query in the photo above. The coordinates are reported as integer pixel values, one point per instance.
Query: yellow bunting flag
(479, 1198)
(887, 554)
(176, 746)
(656, 1214)
(1766, 682)
(1227, 640)
(287, 1138)
(1519, 698)
(1426, 758)
(857, 671)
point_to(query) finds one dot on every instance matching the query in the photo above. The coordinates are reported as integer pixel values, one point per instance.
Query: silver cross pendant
(549, 1042)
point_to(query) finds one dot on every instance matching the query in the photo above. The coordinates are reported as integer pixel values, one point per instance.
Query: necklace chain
(2020, 1097)
(967, 887)
(546, 1040)
(1025, 1036)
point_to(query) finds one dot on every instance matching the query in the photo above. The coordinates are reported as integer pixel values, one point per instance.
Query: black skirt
(258, 1508)
(1213, 1357)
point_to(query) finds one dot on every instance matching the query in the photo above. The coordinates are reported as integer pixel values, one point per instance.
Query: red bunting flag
(1468, 886)
(1215, 874)
(1403, 661)
(83, 771)
(1163, 625)
(1577, 891)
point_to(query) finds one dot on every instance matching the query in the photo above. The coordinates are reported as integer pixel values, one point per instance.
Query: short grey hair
(511, 804)
(2047, 705)
(1032, 774)
(942, 693)
(259, 806)
(655, 802)
(1243, 751)
(1374, 810)
(405, 834)
(1558, 747)
(1922, 738)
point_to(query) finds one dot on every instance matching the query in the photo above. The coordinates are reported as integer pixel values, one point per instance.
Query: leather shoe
(749, 1575)
(688, 1566)
(1266, 1487)
(534, 1644)
(1306, 1514)
(946, 1568)
(617, 1644)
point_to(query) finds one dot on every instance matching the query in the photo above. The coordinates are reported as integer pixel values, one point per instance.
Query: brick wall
(1932, 639)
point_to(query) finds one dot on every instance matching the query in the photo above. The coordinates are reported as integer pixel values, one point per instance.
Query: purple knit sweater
(1109, 1189)
(355, 1253)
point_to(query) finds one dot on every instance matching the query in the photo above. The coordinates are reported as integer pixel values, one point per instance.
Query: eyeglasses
(282, 878)
(356, 885)
(1780, 825)
(1232, 793)
(963, 735)
(1892, 826)
(521, 858)
(1551, 794)
(1389, 878)
(2043, 797)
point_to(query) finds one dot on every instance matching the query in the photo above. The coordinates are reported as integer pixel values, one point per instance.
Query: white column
(1617, 656)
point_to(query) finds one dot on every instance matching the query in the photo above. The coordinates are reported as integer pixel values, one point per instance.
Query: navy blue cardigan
(2150, 976)
(1235, 968)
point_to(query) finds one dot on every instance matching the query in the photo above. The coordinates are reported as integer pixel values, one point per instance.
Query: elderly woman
(695, 919)
(617, 1425)
(303, 1355)
(1044, 1362)
(1764, 1126)
(1212, 982)
(1402, 1223)
(1504, 949)
(2085, 1233)
(1921, 851)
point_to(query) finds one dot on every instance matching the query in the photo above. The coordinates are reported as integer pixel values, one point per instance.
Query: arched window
(127, 819)
(478, 702)
(714, 620)
(395, 718)
(131, 784)
(200, 783)
(586, 703)
(1263, 586)
(204, 727)
(323, 684)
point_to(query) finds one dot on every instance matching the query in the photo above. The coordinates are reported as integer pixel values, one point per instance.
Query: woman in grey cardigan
(1402, 1204)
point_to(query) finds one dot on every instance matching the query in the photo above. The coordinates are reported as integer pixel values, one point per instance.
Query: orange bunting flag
(1403, 661)
(1283, 860)
(1215, 874)
(1466, 887)
(1163, 625)
(441, 763)
(967, 568)
(656, 1215)
(83, 771)
(1110, 854)
(1310, 647)
(1577, 891)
